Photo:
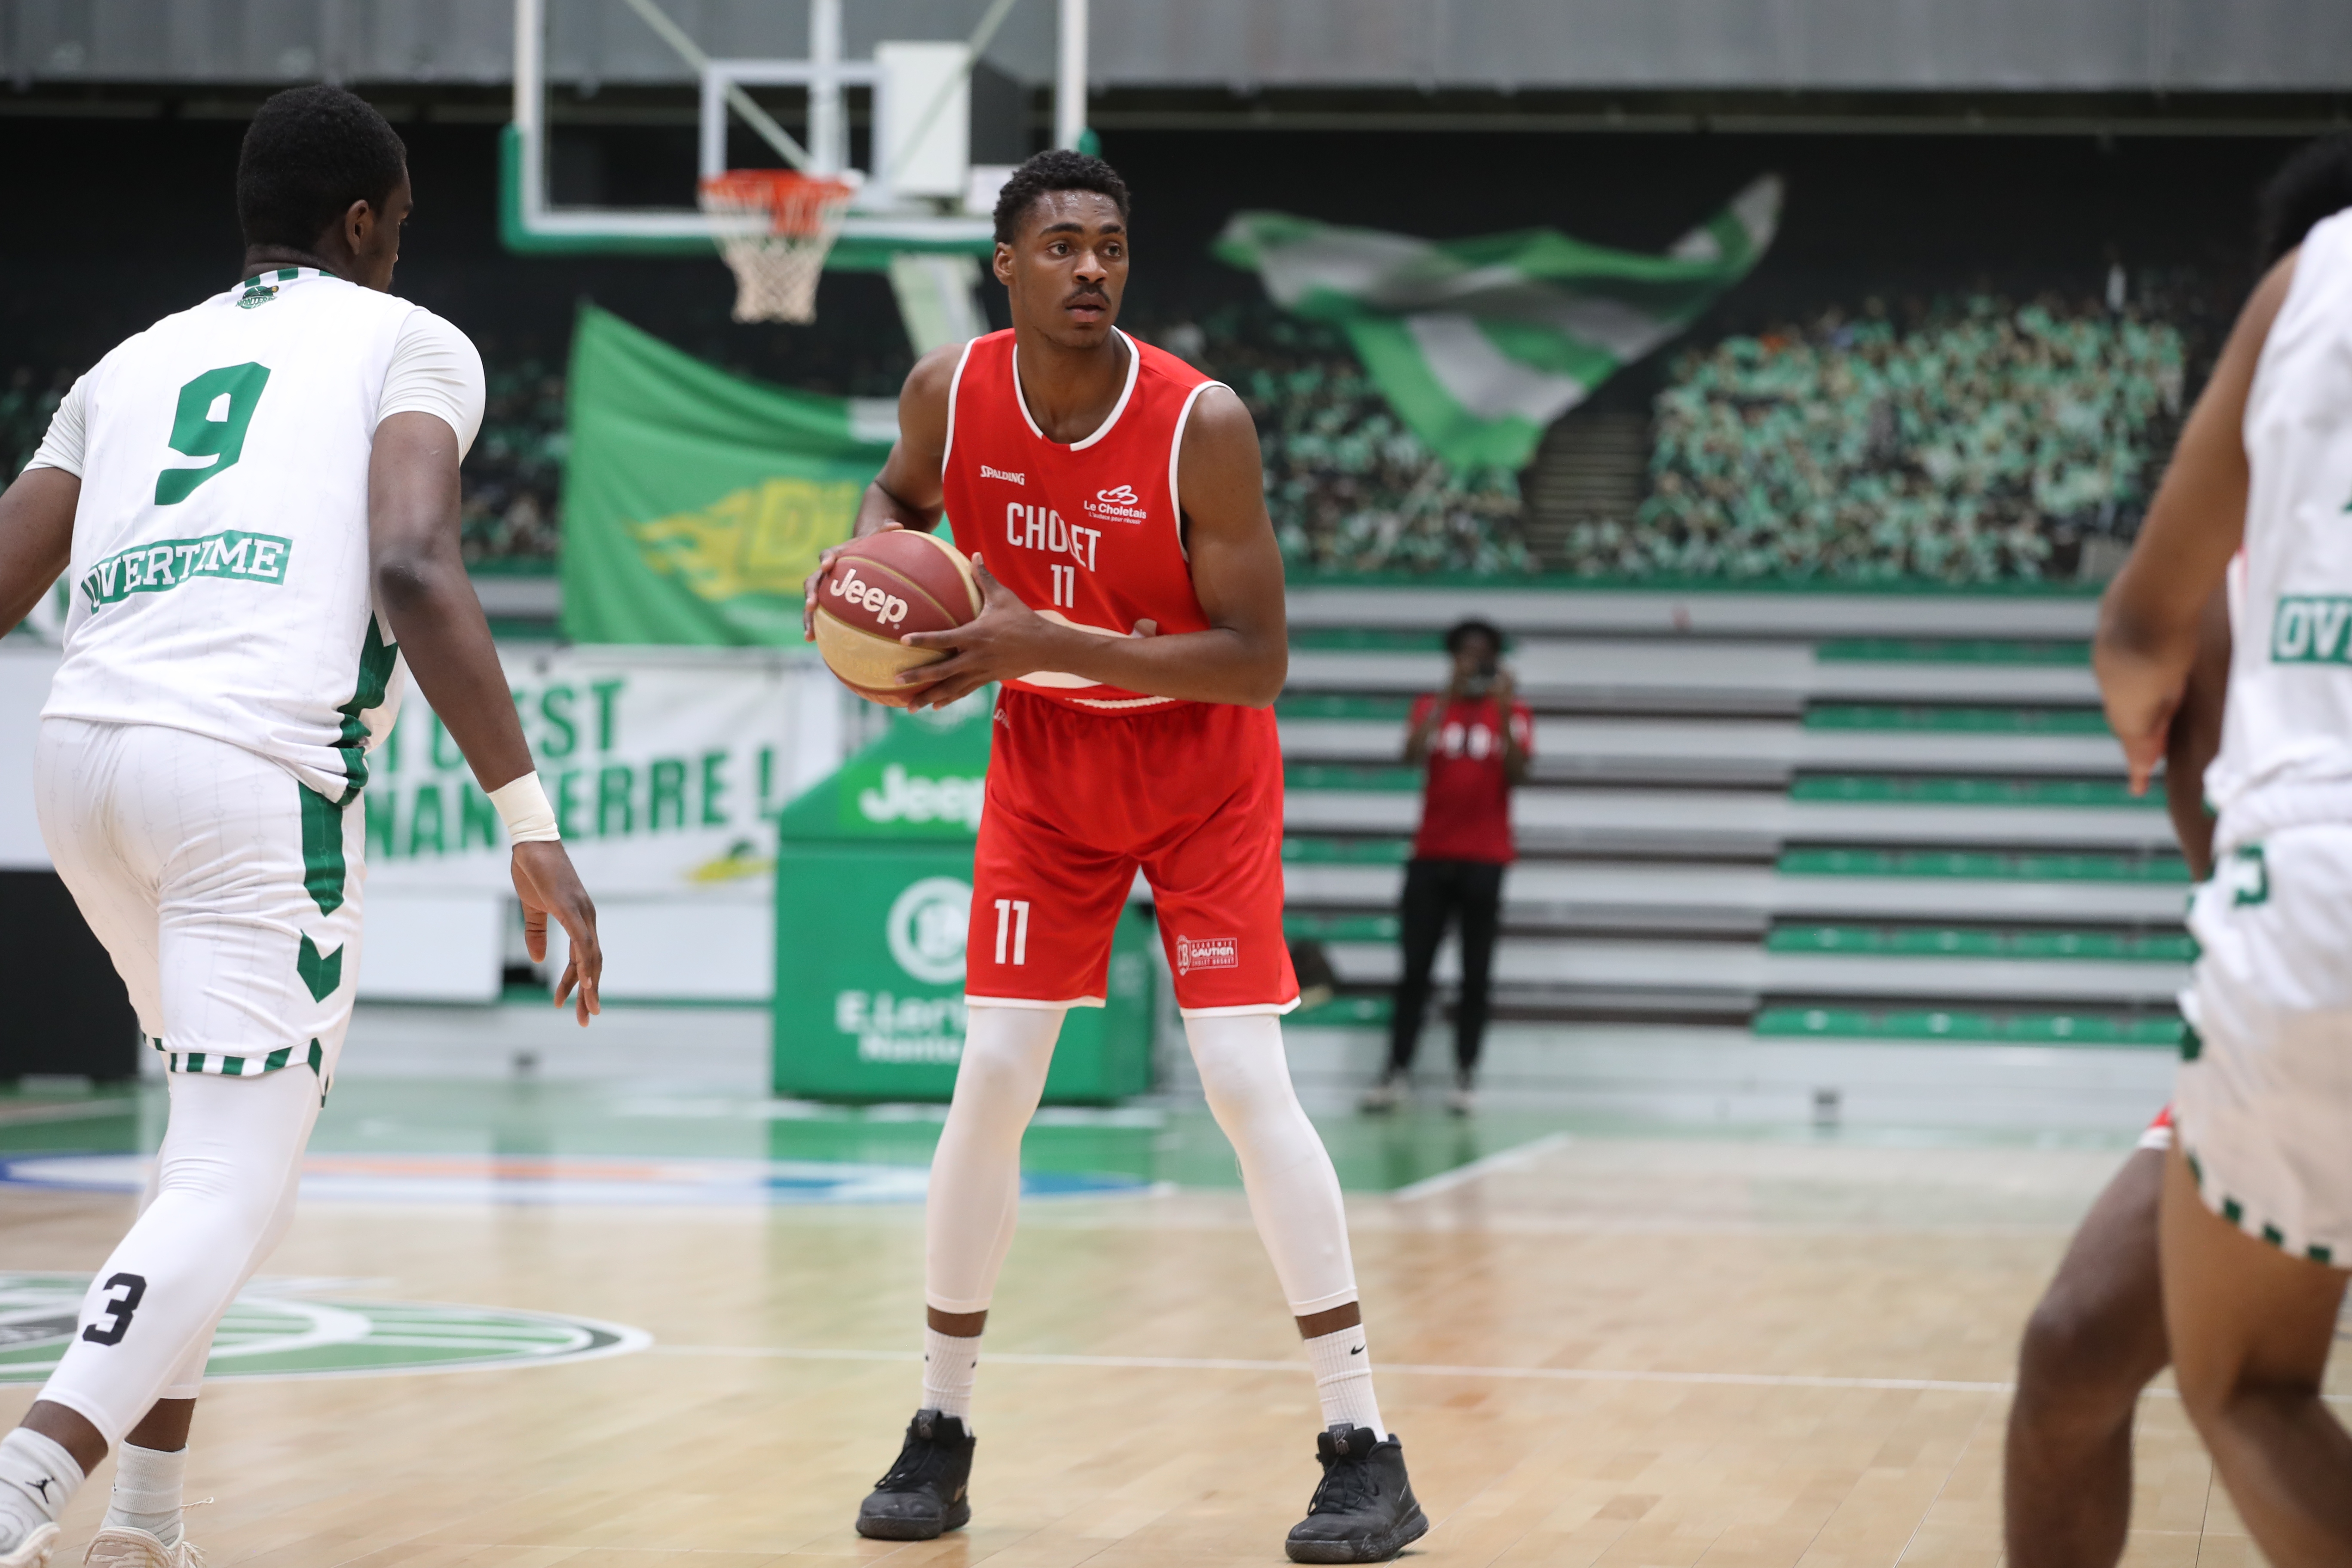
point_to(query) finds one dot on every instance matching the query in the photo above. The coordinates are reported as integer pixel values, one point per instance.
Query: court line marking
(1527, 1374)
(1510, 1159)
(1412, 1369)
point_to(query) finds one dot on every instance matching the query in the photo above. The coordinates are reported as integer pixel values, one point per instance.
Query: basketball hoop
(777, 256)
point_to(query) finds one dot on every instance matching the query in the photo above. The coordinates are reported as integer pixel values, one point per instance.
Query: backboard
(921, 189)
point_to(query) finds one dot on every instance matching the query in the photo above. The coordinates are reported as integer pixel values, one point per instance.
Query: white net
(781, 227)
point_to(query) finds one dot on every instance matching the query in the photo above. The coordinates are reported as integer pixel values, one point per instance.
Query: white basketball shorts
(228, 893)
(2263, 1106)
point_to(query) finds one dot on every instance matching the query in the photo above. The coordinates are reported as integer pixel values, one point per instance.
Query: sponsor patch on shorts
(1207, 952)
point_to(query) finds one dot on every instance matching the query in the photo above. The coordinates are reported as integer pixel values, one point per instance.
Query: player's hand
(825, 564)
(547, 884)
(1005, 642)
(2145, 739)
(1503, 689)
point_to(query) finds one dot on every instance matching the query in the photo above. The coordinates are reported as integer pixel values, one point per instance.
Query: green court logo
(2310, 629)
(305, 1328)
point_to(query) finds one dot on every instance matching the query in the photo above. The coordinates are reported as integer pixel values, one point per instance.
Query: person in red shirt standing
(1112, 501)
(1476, 738)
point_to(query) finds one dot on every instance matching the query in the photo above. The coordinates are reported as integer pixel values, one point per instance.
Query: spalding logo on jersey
(1119, 502)
(888, 609)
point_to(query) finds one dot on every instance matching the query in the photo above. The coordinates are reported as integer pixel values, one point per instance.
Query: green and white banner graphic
(665, 767)
(695, 502)
(1479, 344)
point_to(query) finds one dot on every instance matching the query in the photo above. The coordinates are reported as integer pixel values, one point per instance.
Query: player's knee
(2088, 1357)
(998, 1073)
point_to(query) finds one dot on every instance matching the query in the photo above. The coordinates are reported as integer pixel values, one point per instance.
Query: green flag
(1480, 343)
(696, 502)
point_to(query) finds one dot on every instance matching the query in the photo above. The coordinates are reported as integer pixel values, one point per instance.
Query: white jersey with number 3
(2286, 731)
(220, 572)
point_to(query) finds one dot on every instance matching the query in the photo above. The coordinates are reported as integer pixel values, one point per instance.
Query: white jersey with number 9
(220, 574)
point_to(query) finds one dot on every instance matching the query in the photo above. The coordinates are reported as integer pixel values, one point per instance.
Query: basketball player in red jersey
(1111, 498)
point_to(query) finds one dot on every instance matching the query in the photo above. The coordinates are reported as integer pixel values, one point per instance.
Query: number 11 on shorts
(1012, 920)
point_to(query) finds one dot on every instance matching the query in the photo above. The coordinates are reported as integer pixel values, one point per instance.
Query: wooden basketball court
(1598, 1348)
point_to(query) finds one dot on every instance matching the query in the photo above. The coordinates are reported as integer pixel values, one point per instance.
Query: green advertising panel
(872, 894)
(695, 502)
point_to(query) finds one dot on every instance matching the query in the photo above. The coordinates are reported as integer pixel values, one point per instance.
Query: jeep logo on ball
(887, 609)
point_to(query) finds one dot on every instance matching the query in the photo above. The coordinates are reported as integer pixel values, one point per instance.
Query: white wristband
(522, 807)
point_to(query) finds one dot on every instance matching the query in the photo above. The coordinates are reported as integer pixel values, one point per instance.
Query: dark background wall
(116, 222)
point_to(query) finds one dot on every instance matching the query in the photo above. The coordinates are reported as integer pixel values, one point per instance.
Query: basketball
(879, 589)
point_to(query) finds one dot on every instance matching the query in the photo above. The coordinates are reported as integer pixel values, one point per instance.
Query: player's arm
(2148, 619)
(2196, 736)
(1242, 658)
(37, 516)
(908, 492)
(421, 586)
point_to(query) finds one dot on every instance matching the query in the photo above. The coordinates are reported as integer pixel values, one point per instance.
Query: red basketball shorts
(1077, 801)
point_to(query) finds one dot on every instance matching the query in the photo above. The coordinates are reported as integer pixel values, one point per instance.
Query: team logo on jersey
(1207, 952)
(258, 294)
(2311, 629)
(168, 562)
(988, 473)
(1119, 502)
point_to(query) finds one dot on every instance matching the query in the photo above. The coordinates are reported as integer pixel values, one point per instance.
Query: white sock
(949, 1365)
(1343, 1378)
(37, 1477)
(147, 1483)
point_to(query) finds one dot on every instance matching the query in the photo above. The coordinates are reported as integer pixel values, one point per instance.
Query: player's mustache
(1088, 296)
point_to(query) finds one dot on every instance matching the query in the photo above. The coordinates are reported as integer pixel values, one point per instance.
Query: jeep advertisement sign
(873, 902)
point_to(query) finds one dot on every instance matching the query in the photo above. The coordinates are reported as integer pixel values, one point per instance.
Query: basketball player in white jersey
(2255, 1227)
(256, 505)
(2096, 1338)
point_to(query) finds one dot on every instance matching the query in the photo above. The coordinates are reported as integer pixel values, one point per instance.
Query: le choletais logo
(1118, 503)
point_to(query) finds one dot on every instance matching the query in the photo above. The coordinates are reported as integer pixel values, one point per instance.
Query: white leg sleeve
(187, 1380)
(225, 1178)
(1294, 1193)
(975, 1192)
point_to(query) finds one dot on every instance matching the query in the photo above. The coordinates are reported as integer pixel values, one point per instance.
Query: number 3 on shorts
(210, 422)
(119, 1310)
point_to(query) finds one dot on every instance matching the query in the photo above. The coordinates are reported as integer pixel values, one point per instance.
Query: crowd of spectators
(513, 476)
(1977, 440)
(1965, 441)
(1349, 488)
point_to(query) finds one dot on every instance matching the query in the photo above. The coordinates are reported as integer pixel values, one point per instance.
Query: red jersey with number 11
(1088, 533)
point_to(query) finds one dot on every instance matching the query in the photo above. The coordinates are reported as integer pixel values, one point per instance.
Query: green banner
(695, 502)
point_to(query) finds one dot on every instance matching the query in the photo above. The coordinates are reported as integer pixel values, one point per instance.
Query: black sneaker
(927, 1492)
(1363, 1511)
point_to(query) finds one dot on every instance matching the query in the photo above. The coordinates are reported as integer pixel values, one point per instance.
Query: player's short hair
(2315, 182)
(310, 154)
(1057, 169)
(1473, 628)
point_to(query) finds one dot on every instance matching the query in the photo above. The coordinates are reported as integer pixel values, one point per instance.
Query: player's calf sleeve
(36, 1478)
(1294, 1193)
(975, 1186)
(226, 1169)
